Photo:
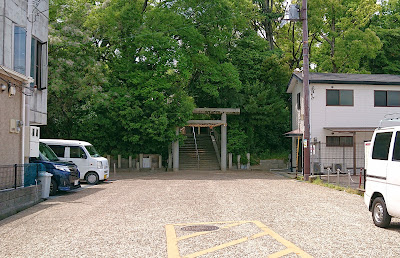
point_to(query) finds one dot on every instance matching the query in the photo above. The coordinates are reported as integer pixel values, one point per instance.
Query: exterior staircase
(207, 157)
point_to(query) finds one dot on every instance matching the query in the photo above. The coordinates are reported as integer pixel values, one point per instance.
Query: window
(76, 152)
(381, 146)
(386, 98)
(19, 49)
(396, 150)
(92, 151)
(36, 63)
(58, 150)
(339, 97)
(337, 141)
(298, 101)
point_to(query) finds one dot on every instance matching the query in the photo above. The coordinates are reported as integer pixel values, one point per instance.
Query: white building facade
(344, 111)
(23, 75)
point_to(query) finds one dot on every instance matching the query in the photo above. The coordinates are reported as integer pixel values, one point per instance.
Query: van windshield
(92, 151)
(47, 152)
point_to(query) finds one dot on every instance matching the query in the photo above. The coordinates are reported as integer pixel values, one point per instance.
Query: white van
(382, 164)
(92, 166)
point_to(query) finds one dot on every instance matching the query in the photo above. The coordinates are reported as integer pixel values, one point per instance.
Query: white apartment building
(344, 111)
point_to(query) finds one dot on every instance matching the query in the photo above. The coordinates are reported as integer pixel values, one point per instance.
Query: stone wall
(16, 200)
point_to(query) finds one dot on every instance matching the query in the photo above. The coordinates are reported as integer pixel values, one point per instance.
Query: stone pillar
(119, 161)
(109, 160)
(138, 166)
(238, 161)
(130, 162)
(223, 142)
(230, 158)
(248, 161)
(141, 160)
(175, 153)
(151, 162)
(159, 161)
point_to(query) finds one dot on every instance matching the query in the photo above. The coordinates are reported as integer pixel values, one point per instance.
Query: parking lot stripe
(207, 232)
(172, 243)
(172, 239)
(213, 222)
(283, 241)
(216, 248)
(281, 253)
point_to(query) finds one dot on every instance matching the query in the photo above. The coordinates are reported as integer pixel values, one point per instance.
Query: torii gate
(207, 123)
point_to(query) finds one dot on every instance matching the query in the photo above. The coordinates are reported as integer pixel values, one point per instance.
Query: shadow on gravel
(394, 226)
(74, 195)
(196, 175)
(61, 197)
(28, 212)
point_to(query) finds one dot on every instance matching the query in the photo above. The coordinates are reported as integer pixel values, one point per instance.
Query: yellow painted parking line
(281, 253)
(172, 243)
(172, 239)
(283, 241)
(216, 248)
(207, 232)
(213, 222)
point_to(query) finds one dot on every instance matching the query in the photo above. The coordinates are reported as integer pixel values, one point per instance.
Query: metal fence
(341, 165)
(19, 175)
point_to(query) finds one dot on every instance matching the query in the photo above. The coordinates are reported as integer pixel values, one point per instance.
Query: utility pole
(306, 90)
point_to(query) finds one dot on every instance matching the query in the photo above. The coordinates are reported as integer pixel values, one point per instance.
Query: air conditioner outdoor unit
(317, 168)
(337, 166)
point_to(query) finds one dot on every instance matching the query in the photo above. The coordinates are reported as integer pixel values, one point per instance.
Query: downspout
(23, 129)
(4, 29)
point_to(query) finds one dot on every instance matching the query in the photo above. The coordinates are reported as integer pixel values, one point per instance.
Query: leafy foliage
(123, 74)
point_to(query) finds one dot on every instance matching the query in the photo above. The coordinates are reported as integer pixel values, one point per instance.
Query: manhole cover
(200, 228)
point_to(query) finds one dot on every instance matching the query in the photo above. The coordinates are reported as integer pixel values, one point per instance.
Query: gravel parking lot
(141, 214)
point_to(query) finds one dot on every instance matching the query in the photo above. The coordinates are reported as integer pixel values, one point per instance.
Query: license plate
(105, 176)
(76, 182)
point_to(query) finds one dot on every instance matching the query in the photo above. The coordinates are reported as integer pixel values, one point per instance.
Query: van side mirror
(83, 156)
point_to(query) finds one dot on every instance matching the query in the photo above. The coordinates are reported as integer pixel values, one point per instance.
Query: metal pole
(306, 90)
(15, 176)
(329, 170)
(354, 154)
(338, 176)
(297, 155)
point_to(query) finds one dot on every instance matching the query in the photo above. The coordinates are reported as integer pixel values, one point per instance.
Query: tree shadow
(198, 175)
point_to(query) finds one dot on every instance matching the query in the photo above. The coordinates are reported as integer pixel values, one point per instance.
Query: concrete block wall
(272, 164)
(15, 200)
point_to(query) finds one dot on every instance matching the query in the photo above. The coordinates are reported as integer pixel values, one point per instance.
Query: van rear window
(58, 150)
(381, 146)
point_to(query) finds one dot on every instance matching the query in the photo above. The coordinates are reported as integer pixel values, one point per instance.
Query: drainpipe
(4, 29)
(23, 128)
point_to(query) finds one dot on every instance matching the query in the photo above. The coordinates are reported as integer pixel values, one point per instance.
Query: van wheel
(53, 187)
(92, 178)
(380, 216)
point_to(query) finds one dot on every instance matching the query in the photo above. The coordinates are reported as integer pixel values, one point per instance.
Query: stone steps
(188, 157)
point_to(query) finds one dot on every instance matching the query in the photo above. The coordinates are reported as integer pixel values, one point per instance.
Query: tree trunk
(268, 24)
(334, 67)
(144, 6)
